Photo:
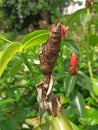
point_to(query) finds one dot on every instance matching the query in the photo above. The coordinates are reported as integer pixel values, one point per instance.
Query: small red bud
(73, 64)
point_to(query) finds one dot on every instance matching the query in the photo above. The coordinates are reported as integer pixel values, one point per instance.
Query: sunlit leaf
(75, 127)
(7, 54)
(90, 117)
(35, 38)
(60, 123)
(5, 40)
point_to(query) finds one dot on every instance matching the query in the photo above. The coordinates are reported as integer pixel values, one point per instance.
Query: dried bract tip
(88, 3)
(63, 30)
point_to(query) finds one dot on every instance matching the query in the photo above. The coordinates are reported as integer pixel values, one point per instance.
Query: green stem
(88, 55)
(89, 64)
(30, 67)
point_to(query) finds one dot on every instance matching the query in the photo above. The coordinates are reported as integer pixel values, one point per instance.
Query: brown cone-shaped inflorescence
(51, 49)
(73, 64)
(50, 52)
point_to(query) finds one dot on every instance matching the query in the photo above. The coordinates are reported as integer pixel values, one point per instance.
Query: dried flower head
(88, 3)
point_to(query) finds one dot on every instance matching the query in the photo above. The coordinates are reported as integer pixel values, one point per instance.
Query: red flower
(64, 30)
(73, 64)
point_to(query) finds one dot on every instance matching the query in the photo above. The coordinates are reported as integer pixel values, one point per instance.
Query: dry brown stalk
(48, 59)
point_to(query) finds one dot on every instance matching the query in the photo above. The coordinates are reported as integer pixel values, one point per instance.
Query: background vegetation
(18, 96)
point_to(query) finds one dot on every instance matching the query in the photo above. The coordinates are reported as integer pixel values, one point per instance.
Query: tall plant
(75, 85)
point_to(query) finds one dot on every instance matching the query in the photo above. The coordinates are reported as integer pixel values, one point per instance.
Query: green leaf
(85, 18)
(5, 40)
(6, 101)
(15, 68)
(91, 127)
(60, 123)
(93, 40)
(90, 117)
(95, 86)
(64, 100)
(8, 54)
(91, 101)
(69, 85)
(84, 81)
(75, 127)
(72, 45)
(35, 38)
(77, 104)
(42, 127)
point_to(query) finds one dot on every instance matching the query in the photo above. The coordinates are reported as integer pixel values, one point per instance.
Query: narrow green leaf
(5, 40)
(77, 104)
(8, 54)
(35, 38)
(69, 85)
(32, 35)
(6, 101)
(72, 45)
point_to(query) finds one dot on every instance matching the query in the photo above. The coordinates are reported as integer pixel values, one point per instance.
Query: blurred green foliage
(22, 13)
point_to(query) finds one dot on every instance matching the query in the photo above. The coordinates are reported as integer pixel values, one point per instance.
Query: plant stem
(88, 55)
(89, 64)
(30, 67)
